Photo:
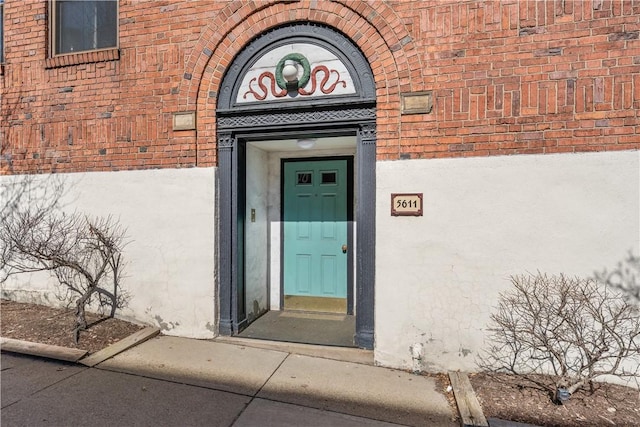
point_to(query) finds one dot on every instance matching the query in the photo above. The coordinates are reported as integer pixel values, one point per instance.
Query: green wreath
(300, 59)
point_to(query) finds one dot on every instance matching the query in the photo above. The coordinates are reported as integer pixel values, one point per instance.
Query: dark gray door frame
(342, 116)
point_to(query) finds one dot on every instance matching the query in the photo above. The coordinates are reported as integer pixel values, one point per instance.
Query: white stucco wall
(170, 220)
(438, 276)
(256, 233)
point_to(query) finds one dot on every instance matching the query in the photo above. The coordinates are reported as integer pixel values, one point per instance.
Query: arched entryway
(300, 98)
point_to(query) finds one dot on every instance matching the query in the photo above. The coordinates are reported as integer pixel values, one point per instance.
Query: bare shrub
(85, 255)
(573, 329)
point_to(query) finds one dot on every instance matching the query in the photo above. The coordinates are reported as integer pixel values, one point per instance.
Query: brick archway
(374, 28)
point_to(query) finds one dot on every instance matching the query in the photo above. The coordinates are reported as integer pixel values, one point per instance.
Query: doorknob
(344, 249)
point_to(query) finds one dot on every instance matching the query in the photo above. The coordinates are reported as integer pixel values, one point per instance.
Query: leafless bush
(85, 255)
(573, 329)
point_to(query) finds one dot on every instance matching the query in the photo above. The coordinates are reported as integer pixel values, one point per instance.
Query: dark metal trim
(275, 119)
(366, 236)
(225, 237)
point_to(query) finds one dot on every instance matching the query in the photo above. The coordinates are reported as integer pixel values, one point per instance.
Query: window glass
(305, 178)
(329, 177)
(85, 25)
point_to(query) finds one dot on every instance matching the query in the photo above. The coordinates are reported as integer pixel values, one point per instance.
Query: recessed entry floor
(304, 327)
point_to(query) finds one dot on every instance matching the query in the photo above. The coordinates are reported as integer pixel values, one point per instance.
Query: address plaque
(406, 204)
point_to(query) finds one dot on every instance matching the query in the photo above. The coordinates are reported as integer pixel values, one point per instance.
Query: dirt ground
(37, 323)
(503, 396)
(506, 397)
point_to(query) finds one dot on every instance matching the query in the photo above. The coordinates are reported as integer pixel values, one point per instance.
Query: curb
(76, 355)
(124, 344)
(43, 350)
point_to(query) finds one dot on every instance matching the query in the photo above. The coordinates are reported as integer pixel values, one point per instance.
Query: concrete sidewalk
(290, 385)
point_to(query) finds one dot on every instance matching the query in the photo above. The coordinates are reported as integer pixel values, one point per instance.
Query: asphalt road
(42, 392)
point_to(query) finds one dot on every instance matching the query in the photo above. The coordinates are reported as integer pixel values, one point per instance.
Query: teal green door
(315, 228)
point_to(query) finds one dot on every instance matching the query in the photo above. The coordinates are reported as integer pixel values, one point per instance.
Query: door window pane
(85, 25)
(329, 178)
(305, 178)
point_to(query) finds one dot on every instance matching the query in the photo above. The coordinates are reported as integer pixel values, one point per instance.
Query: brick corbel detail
(83, 58)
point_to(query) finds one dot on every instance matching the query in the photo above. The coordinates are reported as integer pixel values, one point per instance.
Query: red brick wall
(508, 77)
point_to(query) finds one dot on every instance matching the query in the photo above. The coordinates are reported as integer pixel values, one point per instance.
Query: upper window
(1, 31)
(84, 25)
